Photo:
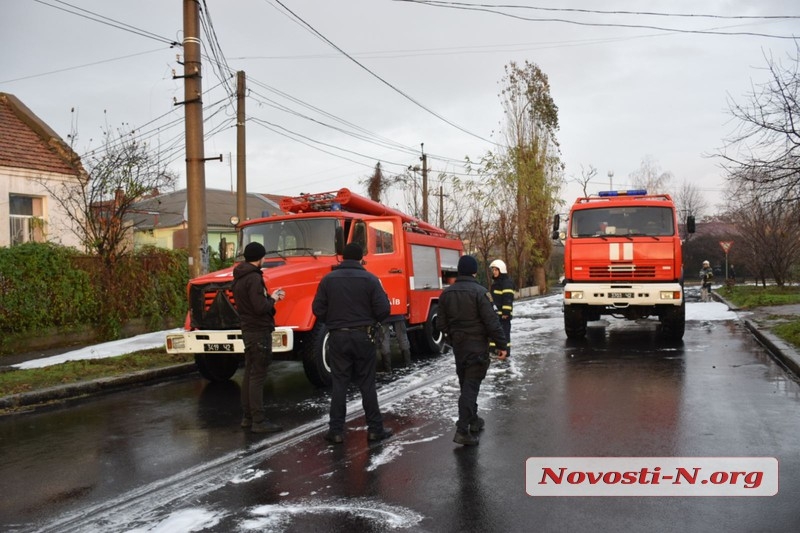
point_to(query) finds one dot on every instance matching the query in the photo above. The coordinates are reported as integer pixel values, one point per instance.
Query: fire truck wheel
(428, 339)
(574, 322)
(216, 367)
(673, 323)
(314, 352)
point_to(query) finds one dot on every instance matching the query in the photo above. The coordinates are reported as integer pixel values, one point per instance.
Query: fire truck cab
(623, 257)
(410, 257)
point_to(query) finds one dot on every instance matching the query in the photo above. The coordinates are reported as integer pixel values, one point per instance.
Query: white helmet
(499, 265)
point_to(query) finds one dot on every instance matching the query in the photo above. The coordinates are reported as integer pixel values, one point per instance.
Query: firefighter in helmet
(706, 275)
(503, 296)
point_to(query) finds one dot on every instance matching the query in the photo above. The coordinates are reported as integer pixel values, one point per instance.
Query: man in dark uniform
(350, 301)
(467, 316)
(257, 318)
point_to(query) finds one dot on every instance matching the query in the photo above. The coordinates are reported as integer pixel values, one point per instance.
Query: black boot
(465, 438)
(407, 357)
(476, 424)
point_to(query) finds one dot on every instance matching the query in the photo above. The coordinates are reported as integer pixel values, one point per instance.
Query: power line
(487, 8)
(379, 78)
(224, 72)
(76, 67)
(90, 15)
(613, 12)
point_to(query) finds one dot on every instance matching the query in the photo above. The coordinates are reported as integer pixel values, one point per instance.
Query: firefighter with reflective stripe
(503, 297)
(706, 276)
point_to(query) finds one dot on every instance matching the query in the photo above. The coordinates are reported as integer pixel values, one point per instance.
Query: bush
(40, 288)
(44, 286)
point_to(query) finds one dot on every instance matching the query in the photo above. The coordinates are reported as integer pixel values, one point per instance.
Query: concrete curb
(14, 402)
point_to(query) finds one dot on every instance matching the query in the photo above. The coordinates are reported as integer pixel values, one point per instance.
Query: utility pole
(241, 155)
(441, 207)
(195, 160)
(424, 159)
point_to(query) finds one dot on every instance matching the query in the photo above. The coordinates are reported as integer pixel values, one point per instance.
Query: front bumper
(223, 341)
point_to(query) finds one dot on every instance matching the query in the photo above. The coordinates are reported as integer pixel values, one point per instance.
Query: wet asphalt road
(171, 457)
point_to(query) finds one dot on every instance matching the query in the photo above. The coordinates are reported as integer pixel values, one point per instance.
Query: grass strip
(15, 381)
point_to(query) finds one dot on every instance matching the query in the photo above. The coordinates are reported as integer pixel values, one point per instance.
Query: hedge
(45, 286)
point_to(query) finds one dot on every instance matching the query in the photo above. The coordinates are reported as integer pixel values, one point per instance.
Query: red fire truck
(622, 257)
(412, 259)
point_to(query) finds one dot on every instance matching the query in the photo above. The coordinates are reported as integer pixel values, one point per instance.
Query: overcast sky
(318, 121)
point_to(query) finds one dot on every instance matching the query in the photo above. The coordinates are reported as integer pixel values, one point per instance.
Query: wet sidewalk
(761, 320)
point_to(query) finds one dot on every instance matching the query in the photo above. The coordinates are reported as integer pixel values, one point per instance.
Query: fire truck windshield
(301, 237)
(630, 221)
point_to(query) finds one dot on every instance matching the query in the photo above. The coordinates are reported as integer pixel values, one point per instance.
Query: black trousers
(352, 359)
(472, 363)
(507, 330)
(257, 357)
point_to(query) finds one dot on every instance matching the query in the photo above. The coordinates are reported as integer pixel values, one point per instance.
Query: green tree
(530, 167)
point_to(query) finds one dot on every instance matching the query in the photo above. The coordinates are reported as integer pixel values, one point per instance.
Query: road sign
(726, 246)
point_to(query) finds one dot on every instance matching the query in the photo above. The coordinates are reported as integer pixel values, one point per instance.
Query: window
(381, 237)
(634, 221)
(301, 237)
(26, 220)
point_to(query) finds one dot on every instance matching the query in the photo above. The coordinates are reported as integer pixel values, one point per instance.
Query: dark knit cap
(353, 251)
(467, 265)
(254, 252)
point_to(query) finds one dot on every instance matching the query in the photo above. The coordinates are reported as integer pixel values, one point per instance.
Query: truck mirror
(690, 224)
(556, 222)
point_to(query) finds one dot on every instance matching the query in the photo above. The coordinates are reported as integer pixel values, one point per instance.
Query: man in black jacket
(257, 318)
(350, 301)
(467, 316)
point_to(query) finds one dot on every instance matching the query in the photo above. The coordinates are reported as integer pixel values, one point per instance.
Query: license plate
(620, 295)
(219, 347)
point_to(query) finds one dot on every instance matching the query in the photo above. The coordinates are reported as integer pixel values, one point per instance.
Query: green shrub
(40, 288)
(45, 285)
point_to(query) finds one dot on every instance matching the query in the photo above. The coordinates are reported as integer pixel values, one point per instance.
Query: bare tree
(376, 184)
(765, 147)
(587, 175)
(119, 174)
(769, 229)
(690, 201)
(650, 177)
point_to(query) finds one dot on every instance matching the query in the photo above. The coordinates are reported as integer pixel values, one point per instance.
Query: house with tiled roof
(161, 220)
(33, 159)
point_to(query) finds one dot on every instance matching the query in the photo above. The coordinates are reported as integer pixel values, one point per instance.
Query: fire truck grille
(213, 306)
(622, 272)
